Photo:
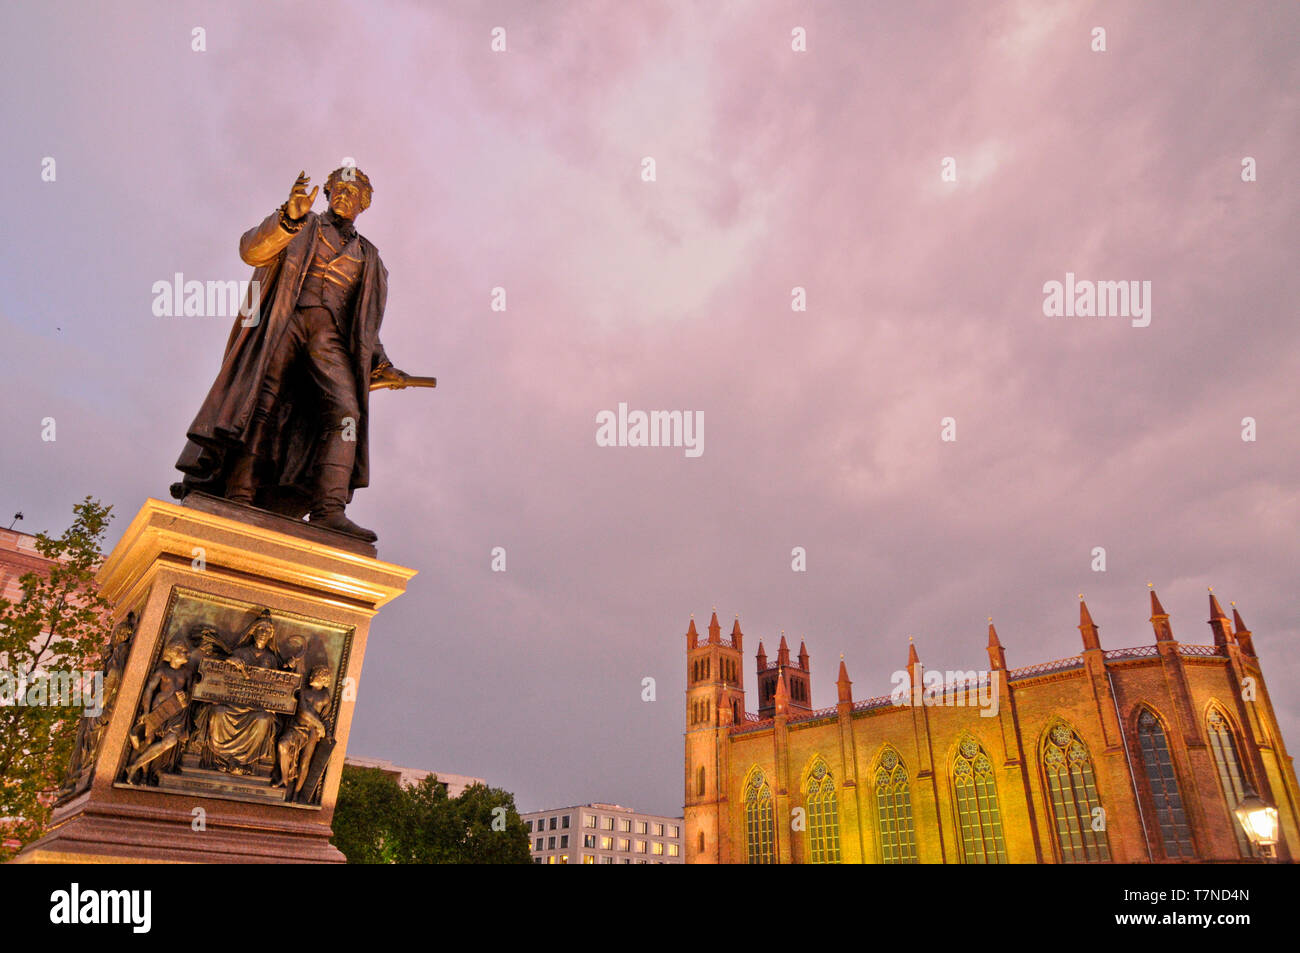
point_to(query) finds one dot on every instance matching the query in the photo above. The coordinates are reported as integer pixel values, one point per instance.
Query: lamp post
(1259, 819)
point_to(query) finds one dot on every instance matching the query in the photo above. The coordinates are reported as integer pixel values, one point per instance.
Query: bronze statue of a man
(284, 425)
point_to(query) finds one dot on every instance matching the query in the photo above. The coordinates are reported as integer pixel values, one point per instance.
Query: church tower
(797, 679)
(715, 699)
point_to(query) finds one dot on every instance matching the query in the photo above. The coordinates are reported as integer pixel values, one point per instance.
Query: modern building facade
(603, 834)
(1129, 755)
(456, 783)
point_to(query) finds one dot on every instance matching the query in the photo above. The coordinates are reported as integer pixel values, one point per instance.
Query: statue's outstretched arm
(262, 244)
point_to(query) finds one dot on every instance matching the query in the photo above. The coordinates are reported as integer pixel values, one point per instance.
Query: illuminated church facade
(1130, 755)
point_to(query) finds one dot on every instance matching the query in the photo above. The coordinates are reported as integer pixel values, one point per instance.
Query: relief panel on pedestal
(241, 702)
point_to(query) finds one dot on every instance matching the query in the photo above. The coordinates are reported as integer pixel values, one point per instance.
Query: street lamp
(1259, 820)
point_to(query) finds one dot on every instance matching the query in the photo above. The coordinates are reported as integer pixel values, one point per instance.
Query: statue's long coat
(219, 431)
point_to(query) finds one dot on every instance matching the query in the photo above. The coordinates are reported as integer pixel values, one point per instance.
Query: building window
(894, 810)
(760, 825)
(658, 830)
(607, 860)
(823, 815)
(607, 843)
(607, 823)
(564, 858)
(530, 826)
(625, 825)
(564, 841)
(538, 845)
(699, 782)
(589, 840)
(564, 822)
(701, 842)
(550, 843)
(657, 848)
(624, 844)
(589, 820)
(552, 823)
(673, 850)
(979, 818)
(1073, 793)
(674, 831)
(537, 860)
(588, 859)
(551, 859)
(1231, 776)
(641, 827)
(1162, 784)
(640, 847)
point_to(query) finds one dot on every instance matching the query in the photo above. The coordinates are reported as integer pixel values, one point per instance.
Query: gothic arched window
(699, 782)
(1073, 793)
(1231, 776)
(701, 842)
(979, 819)
(1162, 785)
(760, 824)
(894, 810)
(823, 815)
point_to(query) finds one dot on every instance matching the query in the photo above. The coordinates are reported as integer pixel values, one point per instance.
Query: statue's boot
(331, 497)
(240, 485)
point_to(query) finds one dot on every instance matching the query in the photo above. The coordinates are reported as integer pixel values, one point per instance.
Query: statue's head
(176, 654)
(261, 632)
(124, 629)
(348, 191)
(320, 677)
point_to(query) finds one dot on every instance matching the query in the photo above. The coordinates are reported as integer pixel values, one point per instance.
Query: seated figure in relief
(236, 738)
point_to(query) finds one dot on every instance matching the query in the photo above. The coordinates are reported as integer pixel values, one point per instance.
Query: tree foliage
(378, 821)
(58, 624)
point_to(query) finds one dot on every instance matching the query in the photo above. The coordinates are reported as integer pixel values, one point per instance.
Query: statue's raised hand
(299, 201)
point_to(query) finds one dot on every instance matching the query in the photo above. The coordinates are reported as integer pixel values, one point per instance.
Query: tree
(59, 624)
(369, 816)
(378, 821)
(494, 833)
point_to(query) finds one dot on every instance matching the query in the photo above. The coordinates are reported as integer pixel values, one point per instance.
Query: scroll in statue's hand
(388, 376)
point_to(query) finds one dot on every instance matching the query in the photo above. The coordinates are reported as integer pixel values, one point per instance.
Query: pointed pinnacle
(1085, 617)
(1216, 610)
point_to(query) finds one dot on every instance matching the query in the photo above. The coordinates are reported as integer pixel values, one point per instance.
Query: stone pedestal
(199, 574)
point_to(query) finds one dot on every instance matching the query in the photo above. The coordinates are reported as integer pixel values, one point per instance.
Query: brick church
(1130, 755)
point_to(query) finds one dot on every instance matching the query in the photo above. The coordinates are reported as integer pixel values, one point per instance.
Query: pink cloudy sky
(775, 170)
